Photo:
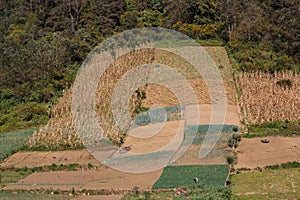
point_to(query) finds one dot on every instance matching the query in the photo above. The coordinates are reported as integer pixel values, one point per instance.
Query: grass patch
(157, 195)
(12, 176)
(183, 176)
(194, 193)
(26, 196)
(266, 196)
(211, 42)
(281, 183)
(211, 193)
(12, 142)
(284, 128)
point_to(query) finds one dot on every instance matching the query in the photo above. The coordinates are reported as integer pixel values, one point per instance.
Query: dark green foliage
(289, 165)
(230, 160)
(182, 176)
(235, 129)
(234, 140)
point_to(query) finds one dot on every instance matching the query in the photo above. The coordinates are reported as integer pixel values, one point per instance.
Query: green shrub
(272, 167)
(230, 160)
(289, 165)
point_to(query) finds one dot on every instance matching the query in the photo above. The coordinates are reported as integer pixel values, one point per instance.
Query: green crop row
(183, 176)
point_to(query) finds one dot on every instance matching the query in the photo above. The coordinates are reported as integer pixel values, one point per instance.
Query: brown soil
(162, 138)
(252, 153)
(97, 197)
(35, 159)
(191, 157)
(102, 178)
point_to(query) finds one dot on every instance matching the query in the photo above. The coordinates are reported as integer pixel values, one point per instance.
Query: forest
(43, 42)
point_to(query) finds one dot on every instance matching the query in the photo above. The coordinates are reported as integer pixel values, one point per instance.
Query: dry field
(252, 153)
(42, 158)
(265, 97)
(60, 130)
(102, 178)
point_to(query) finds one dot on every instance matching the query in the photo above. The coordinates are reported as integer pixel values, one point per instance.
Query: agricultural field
(218, 154)
(255, 47)
(183, 176)
(28, 196)
(60, 133)
(252, 153)
(12, 142)
(269, 97)
(268, 184)
(7, 177)
(48, 168)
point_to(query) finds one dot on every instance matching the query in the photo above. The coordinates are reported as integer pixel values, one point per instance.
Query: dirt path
(252, 153)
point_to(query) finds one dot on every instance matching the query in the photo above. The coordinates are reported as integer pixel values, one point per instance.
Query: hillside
(43, 43)
(252, 153)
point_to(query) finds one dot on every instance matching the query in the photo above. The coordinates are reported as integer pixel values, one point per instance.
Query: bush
(235, 129)
(234, 140)
(230, 160)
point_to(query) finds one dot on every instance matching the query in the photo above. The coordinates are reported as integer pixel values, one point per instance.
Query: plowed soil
(252, 153)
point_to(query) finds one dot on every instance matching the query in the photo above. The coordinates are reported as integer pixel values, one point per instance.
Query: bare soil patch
(39, 158)
(165, 133)
(102, 178)
(191, 157)
(252, 153)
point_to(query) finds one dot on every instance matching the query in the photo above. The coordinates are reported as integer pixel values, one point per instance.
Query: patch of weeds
(280, 128)
(289, 165)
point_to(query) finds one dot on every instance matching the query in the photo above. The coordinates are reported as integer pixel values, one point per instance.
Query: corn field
(60, 130)
(269, 97)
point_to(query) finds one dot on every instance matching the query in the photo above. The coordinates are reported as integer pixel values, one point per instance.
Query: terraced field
(211, 171)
